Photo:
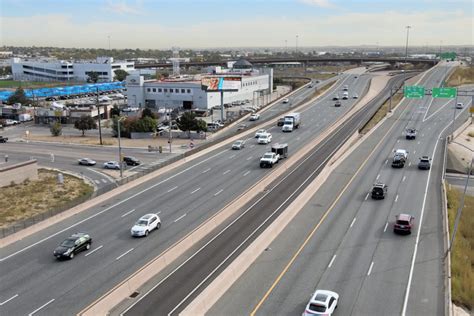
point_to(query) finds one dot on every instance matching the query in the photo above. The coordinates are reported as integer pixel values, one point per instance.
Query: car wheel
(88, 246)
(71, 255)
(146, 233)
(158, 226)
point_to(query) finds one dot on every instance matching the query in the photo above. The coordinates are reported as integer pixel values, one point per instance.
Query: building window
(154, 89)
(160, 90)
(188, 90)
(148, 90)
(176, 90)
(165, 90)
(171, 90)
(183, 91)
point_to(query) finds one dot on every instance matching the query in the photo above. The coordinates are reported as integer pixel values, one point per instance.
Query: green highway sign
(414, 92)
(449, 93)
(448, 55)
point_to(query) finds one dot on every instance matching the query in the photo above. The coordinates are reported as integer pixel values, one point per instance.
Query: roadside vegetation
(460, 76)
(462, 254)
(32, 198)
(380, 114)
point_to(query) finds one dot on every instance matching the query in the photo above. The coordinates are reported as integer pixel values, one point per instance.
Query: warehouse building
(60, 70)
(187, 92)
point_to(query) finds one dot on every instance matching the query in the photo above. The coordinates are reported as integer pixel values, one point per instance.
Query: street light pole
(408, 27)
(98, 115)
(120, 147)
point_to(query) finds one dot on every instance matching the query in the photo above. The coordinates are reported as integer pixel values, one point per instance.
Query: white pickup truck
(269, 159)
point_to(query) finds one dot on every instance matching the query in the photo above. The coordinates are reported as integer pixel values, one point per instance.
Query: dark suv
(379, 190)
(403, 224)
(72, 245)
(131, 161)
(424, 163)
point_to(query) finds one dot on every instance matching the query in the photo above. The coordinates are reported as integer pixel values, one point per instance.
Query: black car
(72, 245)
(281, 121)
(131, 161)
(379, 190)
(424, 163)
(3, 139)
(337, 104)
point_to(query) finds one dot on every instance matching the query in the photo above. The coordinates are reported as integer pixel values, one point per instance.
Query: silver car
(239, 144)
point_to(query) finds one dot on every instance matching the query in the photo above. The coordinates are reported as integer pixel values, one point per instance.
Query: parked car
(131, 161)
(112, 165)
(403, 224)
(254, 117)
(322, 302)
(424, 163)
(238, 144)
(72, 245)
(286, 100)
(87, 162)
(410, 133)
(379, 191)
(265, 138)
(145, 225)
(260, 132)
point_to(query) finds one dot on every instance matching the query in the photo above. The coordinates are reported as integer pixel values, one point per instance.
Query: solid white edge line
(110, 207)
(332, 261)
(102, 174)
(39, 308)
(93, 250)
(179, 217)
(385, 228)
(370, 268)
(410, 276)
(218, 192)
(125, 253)
(125, 214)
(8, 300)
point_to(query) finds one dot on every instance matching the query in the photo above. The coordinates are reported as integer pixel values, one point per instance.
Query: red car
(403, 224)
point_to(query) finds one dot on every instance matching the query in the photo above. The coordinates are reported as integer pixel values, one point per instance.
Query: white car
(322, 302)
(265, 138)
(111, 165)
(145, 225)
(286, 100)
(355, 96)
(459, 105)
(254, 117)
(260, 132)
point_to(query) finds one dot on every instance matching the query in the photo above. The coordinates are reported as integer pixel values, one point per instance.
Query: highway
(184, 198)
(343, 241)
(178, 288)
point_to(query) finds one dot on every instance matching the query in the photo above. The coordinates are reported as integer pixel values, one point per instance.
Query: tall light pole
(109, 42)
(408, 27)
(119, 147)
(286, 46)
(296, 47)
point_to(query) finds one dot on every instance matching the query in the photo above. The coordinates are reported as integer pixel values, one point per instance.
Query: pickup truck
(269, 159)
(3, 139)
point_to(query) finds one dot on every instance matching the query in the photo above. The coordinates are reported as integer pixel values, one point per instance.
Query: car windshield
(238, 142)
(317, 308)
(68, 243)
(268, 156)
(377, 190)
(401, 222)
(141, 222)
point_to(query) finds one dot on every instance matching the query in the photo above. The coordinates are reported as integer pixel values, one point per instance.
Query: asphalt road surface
(37, 283)
(354, 251)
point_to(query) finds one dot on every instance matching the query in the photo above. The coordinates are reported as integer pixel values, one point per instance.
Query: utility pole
(109, 42)
(120, 148)
(408, 27)
(296, 47)
(98, 114)
(169, 125)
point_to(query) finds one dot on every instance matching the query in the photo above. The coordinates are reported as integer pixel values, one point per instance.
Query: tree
(148, 113)
(93, 77)
(143, 125)
(85, 123)
(56, 129)
(120, 74)
(19, 97)
(201, 125)
(115, 111)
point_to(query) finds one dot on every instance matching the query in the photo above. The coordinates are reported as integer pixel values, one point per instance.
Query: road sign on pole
(414, 92)
(448, 55)
(449, 93)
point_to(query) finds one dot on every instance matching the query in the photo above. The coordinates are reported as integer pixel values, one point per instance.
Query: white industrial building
(62, 70)
(187, 93)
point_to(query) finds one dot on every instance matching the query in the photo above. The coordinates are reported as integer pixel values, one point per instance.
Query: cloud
(121, 7)
(318, 3)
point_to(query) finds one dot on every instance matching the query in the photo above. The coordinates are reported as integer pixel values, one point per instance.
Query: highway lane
(42, 279)
(354, 251)
(175, 290)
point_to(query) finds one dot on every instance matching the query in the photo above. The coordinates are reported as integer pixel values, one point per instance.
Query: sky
(162, 24)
